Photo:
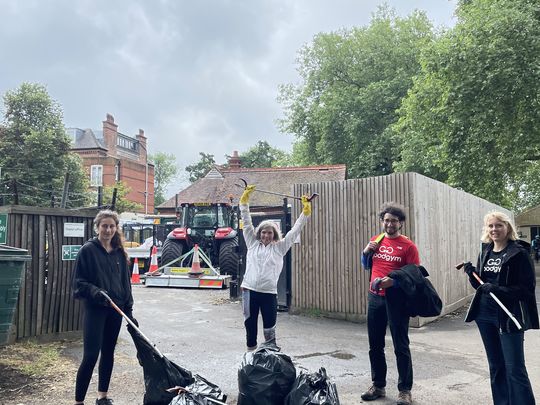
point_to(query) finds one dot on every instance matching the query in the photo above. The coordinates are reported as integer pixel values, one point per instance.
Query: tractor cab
(214, 227)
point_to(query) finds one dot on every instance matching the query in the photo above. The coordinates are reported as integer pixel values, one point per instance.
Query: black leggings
(100, 332)
(254, 301)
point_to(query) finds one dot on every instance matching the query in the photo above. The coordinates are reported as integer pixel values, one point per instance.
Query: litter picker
(160, 373)
(477, 277)
(117, 308)
(274, 193)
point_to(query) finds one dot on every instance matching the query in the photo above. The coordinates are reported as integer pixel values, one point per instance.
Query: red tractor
(214, 227)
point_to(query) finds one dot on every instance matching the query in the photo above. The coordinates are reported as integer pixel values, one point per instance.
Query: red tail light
(179, 233)
(222, 232)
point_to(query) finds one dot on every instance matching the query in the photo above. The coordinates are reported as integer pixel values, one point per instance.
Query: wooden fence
(45, 305)
(445, 223)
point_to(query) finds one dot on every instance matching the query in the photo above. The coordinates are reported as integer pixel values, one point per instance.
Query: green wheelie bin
(12, 264)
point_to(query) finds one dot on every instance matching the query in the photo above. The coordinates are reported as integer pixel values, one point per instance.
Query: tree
(472, 118)
(353, 83)
(79, 182)
(203, 166)
(34, 149)
(264, 155)
(122, 203)
(165, 169)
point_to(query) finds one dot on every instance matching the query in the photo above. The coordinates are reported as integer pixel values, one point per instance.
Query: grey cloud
(195, 75)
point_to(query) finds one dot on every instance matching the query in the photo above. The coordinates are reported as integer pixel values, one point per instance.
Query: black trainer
(104, 401)
(373, 393)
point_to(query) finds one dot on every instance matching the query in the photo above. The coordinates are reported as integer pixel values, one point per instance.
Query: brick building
(110, 156)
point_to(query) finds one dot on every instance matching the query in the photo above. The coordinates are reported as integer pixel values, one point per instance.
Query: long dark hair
(117, 241)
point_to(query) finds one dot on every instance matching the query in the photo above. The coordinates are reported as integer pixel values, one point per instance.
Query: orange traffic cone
(153, 261)
(135, 277)
(196, 270)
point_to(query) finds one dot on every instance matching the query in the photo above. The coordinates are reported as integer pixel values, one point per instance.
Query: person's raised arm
(285, 244)
(248, 230)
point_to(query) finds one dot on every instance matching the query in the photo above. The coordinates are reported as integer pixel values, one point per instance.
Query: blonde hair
(500, 216)
(117, 240)
(268, 224)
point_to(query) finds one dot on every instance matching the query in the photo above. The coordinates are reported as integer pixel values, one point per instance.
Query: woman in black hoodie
(101, 265)
(507, 271)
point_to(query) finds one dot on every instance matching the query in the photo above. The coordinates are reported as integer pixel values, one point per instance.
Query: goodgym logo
(386, 249)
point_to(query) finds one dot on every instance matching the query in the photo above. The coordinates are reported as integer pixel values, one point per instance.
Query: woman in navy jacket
(506, 269)
(101, 265)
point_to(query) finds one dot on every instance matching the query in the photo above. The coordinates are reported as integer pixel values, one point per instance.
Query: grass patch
(33, 359)
(313, 313)
(30, 358)
(27, 365)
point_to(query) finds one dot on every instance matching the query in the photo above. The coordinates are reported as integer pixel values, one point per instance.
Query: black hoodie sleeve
(474, 282)
(526, 280)
(84, 279)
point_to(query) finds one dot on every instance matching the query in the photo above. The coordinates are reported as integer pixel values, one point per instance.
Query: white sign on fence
(73, 230)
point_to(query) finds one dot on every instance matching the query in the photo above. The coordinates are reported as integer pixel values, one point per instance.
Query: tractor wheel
(172, 249)
(228, 257)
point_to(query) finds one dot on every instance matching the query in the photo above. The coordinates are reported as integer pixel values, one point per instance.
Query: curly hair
(394, 209)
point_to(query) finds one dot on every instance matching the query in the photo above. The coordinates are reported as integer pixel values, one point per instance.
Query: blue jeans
(510, 383)
(380, 314)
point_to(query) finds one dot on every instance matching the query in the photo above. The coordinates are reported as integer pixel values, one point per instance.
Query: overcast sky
(199, 75)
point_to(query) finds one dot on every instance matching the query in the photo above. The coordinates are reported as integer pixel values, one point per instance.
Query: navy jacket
(96, 270)
(516, 288)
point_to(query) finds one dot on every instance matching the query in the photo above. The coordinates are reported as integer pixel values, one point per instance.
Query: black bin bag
(201, 392)
(160, 373)
(265, 376)
(313, 389)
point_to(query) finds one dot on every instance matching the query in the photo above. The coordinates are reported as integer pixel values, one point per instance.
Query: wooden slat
(45, 306)
(41, 278)
(327, 274)
(57, 282)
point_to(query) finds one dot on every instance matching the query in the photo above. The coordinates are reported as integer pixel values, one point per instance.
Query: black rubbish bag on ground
(201, 392)
(313, 389)
(160, 373)
(265, 376)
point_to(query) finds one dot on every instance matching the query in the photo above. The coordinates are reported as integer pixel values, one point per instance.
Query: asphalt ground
(202, 330)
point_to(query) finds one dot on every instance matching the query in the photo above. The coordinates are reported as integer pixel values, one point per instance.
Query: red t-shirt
(392, 254)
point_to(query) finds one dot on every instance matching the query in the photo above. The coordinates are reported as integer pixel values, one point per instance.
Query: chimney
(110, 132)
(143, 152)
(234, 160)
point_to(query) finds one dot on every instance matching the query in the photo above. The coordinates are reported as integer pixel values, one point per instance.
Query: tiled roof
(85, 139)
(212, 188)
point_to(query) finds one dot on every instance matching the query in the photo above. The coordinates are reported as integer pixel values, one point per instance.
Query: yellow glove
(245, 196)
(306, 206)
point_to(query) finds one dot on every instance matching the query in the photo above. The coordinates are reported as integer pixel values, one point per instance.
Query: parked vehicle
(214, 227)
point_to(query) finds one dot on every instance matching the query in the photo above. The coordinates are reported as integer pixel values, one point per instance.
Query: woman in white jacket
(264, 263)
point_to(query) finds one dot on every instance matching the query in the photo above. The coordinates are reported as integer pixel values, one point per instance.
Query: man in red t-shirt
(385, 253)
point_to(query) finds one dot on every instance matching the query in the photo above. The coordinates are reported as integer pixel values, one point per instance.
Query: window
(126, 142)
(96, 175)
